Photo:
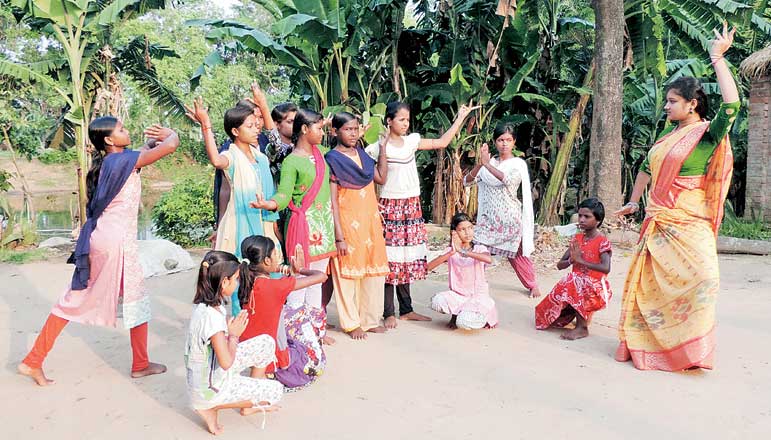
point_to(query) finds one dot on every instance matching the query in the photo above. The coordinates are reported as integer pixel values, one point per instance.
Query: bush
(184, 214)
(53, 156)
(733, 226)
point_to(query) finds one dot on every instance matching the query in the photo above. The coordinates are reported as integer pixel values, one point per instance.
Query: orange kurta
(363, 232)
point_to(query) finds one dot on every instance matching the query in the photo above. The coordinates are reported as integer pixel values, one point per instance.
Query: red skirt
(405, 239)
(574, 293)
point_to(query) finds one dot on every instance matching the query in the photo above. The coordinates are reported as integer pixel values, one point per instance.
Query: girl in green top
(304, 188)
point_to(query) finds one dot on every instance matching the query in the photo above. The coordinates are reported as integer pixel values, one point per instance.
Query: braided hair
(98, 130)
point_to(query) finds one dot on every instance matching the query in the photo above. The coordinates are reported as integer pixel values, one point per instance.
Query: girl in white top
(213, 356)
(403, 224)
(504, 223)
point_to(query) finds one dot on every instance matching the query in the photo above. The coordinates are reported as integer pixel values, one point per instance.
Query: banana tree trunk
(552, 199)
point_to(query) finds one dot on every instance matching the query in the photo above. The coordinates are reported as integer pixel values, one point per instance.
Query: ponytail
(255, 249)
(215, 266)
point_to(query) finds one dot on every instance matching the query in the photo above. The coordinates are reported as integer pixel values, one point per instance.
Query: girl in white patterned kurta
(213, 356)
(504, 224)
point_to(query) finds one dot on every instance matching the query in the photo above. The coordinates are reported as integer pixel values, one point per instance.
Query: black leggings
(402, 294)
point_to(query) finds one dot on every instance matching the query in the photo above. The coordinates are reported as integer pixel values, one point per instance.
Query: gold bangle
(205, 127)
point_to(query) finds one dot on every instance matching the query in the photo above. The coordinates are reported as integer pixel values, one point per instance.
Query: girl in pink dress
(108, 276)
(468, 300)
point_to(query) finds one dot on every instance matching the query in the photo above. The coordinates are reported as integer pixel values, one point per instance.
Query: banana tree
(82, 29)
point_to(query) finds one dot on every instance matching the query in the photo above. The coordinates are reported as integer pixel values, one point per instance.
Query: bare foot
(36, 374)
(256, 409)
(151, 369)
(209, 416)
(390, 322)
(576, 333)
(535, 292)
(452, 325)
(357, 334)
(412, 316)
(378, 329)
(328, 340)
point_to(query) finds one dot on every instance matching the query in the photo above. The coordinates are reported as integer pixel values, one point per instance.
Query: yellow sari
(668, 307)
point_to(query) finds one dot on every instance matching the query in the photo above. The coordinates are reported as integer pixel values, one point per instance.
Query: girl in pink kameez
(468, 300)
(108, 276)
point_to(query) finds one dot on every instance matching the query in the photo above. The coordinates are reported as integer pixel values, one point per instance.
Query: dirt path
(420, 380)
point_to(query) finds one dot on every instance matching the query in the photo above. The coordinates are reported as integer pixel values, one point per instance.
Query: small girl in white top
(403, 225)
(213, 356)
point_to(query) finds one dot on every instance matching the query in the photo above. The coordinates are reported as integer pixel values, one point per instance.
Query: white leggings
(259, 351)
(466, 320)
(311, 295)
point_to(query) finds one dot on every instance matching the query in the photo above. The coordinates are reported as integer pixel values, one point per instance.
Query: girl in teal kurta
(248, 173)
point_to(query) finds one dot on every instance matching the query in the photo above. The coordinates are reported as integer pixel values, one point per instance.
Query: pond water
(55, 213)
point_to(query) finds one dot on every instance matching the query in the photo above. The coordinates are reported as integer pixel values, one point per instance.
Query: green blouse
(297, 175)
(697, 161)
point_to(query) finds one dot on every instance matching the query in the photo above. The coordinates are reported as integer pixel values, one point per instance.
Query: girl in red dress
(263, 296)
(585, 289)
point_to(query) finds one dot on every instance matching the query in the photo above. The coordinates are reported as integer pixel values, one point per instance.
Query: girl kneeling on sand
(263, 297)
(213, 355)
(468, 300)
(585, 289)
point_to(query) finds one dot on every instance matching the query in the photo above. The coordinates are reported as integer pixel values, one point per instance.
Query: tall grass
(752, 229)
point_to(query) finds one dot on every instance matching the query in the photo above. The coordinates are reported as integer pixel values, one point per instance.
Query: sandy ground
(419, 380)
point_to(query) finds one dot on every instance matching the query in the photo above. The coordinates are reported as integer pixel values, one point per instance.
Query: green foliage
(5, 181)
(55, 156)
(751, 229)
(221, 87)
(22, 256)
(184, 214)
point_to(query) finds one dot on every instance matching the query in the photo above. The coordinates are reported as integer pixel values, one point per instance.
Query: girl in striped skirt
(403, 224)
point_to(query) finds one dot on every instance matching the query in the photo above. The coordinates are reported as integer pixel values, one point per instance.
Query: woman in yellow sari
(668, 307)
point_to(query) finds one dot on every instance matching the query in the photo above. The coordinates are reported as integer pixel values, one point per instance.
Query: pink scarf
(297, 231)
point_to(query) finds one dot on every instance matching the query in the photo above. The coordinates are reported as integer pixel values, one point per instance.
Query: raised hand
(575, 251)
(158, 132)
(455, 241)
(484, 154)
(722, 41)
(198, 114)
(464, 110)
(237, 325)
(363, 130)
(298, 260)
(257, 92)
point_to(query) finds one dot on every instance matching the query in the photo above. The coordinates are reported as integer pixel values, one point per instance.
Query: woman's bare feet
(357, 334)
(328, 340)
(151, 369)
(390, 322)
(576, 333)
(412, 316)
(453, 324)
(535, 292)
(378, 329)
(209, 417)
(36, 374)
